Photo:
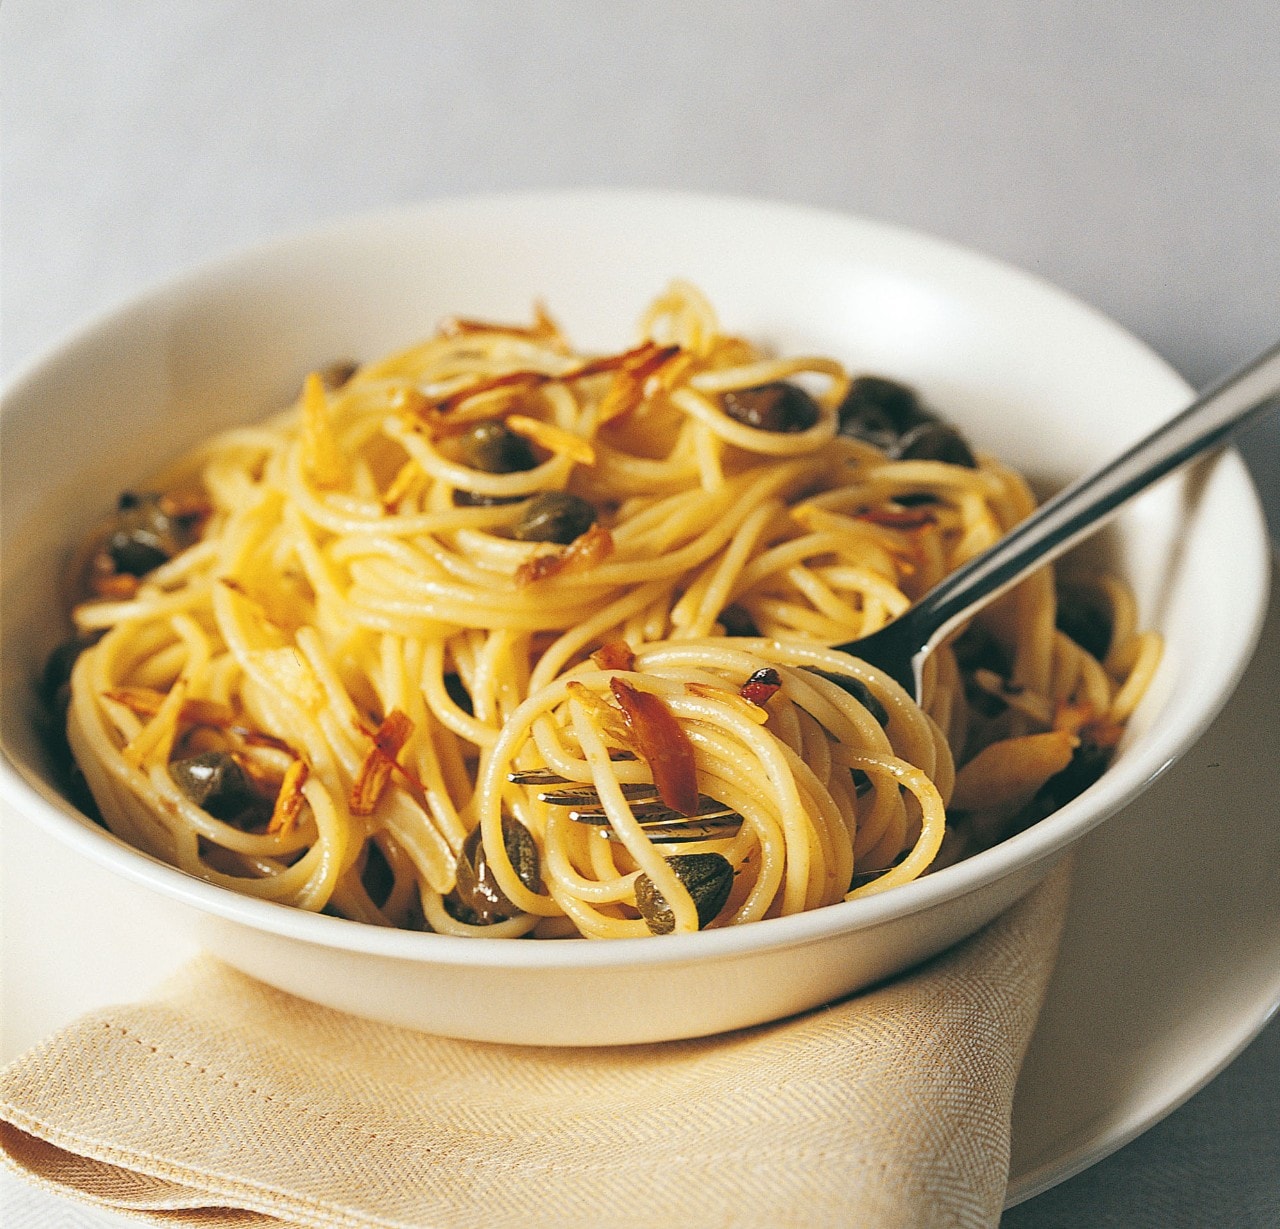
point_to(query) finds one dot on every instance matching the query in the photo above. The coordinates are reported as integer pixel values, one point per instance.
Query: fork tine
(536, 776)
(651, 813)
(585, 795)
(673, 834)
(708, 808)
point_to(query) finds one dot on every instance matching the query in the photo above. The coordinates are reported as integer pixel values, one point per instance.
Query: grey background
(1129, 152)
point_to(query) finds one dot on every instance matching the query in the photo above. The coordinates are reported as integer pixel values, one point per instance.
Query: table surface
(1128, 153)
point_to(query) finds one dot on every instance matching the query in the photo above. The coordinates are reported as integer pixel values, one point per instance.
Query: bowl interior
(1032, 375)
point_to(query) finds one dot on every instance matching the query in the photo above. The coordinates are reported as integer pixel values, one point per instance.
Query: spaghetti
(323, 666)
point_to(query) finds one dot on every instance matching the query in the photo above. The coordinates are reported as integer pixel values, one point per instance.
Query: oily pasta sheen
(346, 659)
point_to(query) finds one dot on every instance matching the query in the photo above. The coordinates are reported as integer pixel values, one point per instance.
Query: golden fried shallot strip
(614, 655)
(288, 804)
(319, 444)
(543, 329)
(739, 702)
(388, 740)
(146, 702)
(406, 478)
(645, 358)
(554, 439)
(626, 390)
(898, 518)
(585, 551)
(114, 586)
(611, 722)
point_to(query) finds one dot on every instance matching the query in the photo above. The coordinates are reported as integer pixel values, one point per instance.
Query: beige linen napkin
(225, 1102)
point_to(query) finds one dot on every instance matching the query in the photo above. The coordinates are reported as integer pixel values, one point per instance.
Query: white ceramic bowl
(1031, 374)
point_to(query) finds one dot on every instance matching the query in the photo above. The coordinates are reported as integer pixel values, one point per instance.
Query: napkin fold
(222, 1101)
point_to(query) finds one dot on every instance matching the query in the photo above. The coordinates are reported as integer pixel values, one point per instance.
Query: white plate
(1170, 963)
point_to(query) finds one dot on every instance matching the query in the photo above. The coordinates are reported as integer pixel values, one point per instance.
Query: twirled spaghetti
(316, 662)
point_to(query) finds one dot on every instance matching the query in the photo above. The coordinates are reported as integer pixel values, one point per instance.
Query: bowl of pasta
(449, 588)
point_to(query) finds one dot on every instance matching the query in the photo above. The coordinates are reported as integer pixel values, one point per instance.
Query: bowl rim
(34, 798)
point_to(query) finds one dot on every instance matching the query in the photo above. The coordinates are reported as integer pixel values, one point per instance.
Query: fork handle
(1087, 504)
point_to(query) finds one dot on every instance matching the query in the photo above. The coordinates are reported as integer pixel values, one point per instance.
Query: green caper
(216, 784)
(458, 693)
(879, 410)
(1084, 615)
(476, 898)
(737, 621)
(337, 373)
(493, 447)
(522, 852)
(55, 691)
(376, 876)
(146, 534)
(554, 516)
(976, 648)
(891, 416)
(707, 877)
(55, 680)
(1088, 762)
(779, 407)
(934, 441)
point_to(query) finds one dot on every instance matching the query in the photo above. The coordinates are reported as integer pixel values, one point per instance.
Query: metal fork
(901, 648)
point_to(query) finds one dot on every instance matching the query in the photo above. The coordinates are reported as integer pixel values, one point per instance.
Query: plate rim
(1248, 1023)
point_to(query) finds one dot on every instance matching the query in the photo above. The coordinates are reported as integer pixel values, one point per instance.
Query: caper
(779, 407)
(737, 621)
(879, 410)
(55, 681)
(145, 535)
(377, 878)
(707, 877)
(977, 649)
(890, 416)
(1084, 615)
(1088, 762)
(476, 898)
(934, 441)
(457, 691)
(216, 783)
(493, 447)
(858, 690)
(55, 691)
(554, 516)
(336, 374)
